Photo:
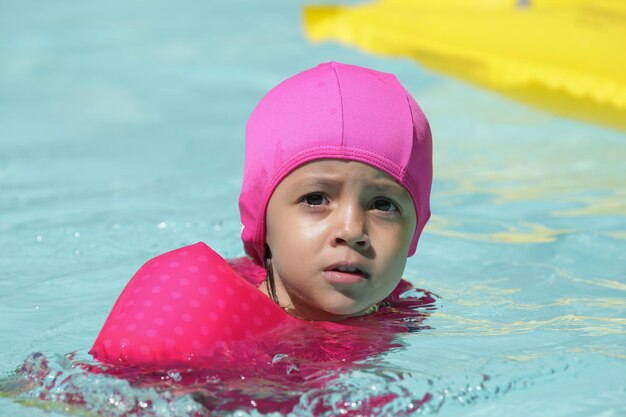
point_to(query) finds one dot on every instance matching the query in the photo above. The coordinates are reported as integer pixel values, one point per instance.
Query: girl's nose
(351, 229)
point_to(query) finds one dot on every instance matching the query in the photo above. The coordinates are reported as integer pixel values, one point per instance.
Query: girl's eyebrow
(313, 183)
(391, 188)
(383, 186)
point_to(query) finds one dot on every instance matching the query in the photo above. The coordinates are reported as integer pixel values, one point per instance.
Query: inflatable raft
(566, 56)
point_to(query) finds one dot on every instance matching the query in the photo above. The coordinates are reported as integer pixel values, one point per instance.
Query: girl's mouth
(346, 274)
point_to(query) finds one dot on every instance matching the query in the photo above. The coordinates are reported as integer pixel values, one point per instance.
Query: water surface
(121, 137)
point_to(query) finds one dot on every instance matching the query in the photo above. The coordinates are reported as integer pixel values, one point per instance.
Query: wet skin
(339, 233)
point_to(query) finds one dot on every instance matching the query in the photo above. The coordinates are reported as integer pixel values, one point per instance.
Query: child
(336, 189)
(335, 194)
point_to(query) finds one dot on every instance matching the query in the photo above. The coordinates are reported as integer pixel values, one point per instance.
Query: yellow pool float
(567, 56)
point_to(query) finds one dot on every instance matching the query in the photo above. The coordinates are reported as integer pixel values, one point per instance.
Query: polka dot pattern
(185, 304)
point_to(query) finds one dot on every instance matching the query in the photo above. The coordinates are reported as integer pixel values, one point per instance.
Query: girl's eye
(383, 204)
(315, 199)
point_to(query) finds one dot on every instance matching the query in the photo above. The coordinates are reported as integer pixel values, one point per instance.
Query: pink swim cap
(334, 111)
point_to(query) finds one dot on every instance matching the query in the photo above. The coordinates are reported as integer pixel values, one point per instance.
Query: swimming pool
(121, 137)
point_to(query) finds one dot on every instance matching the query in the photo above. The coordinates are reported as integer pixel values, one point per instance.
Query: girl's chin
(332, 309)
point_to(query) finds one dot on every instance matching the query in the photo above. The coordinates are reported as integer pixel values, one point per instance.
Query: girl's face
(339, 233)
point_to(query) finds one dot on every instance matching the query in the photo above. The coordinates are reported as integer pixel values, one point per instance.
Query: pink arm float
(179, 306)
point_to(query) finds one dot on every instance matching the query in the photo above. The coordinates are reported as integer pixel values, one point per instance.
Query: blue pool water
(121, 137)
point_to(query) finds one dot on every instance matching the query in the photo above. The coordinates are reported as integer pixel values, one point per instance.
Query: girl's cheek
(309, 220)
(311, 229)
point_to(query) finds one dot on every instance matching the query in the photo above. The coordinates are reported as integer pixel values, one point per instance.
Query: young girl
(335, 194)
(336, 189)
